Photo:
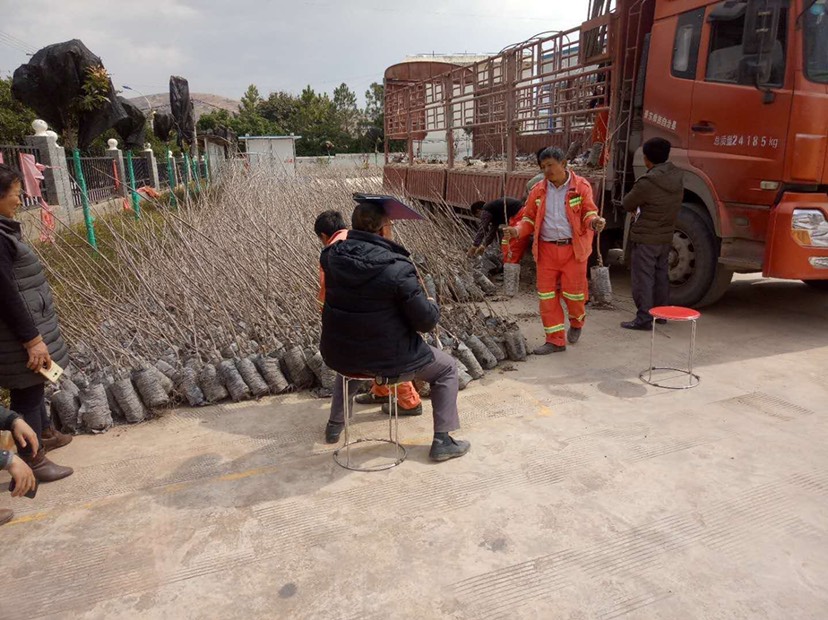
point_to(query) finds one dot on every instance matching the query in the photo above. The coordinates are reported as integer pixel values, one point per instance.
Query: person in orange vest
(330, 227)
(562, 216)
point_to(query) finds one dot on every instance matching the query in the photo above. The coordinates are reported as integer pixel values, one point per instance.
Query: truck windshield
(816, 41)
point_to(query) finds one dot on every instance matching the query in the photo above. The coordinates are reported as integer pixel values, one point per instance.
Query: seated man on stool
(375, 309)
(330, 228)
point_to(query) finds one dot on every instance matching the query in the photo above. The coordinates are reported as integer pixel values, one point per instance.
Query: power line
(16, 43)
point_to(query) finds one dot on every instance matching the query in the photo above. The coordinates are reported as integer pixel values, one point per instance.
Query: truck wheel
(820, 285)
(693, 259)
(721, 282)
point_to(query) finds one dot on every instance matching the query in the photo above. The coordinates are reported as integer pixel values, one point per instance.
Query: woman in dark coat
(29, 332)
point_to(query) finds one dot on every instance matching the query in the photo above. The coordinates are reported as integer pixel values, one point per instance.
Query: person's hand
(23, 476)
(38, 356)
(510, 232)
(598, 224)
(472, 252)
(480, 250)
(24, 435)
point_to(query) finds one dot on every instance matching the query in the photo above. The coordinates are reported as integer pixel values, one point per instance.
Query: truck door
(742, 99)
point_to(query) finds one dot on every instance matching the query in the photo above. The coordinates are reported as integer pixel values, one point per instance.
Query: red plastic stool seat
(673, 313)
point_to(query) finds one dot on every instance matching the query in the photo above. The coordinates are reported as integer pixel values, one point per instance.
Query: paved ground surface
(586, 494)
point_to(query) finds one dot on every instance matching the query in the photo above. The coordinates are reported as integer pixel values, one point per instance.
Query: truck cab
(741, 90)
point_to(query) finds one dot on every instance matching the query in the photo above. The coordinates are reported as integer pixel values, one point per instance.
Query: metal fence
(101, 176)
(140, 166)
(11, 157)
(163, 175)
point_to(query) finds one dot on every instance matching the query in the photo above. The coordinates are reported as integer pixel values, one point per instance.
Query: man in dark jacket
(655, 200)
(375, 309)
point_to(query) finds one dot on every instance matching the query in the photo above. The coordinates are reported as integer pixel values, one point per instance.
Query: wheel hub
(682, 259)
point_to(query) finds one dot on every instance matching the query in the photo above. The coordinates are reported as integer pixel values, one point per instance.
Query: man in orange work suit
(562, 216)
(330, 227)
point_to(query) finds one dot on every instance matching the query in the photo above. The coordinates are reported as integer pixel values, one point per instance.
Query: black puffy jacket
(374, 308)
(659, 195)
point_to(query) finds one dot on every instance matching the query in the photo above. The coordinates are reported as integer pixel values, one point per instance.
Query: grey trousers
(441, 374)
(650, 279)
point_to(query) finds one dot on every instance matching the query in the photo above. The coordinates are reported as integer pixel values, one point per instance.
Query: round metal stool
(680, 314)
(393, 428)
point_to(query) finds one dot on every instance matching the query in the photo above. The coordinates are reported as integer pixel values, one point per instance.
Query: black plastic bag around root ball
(186, 386)
(232, 380)
(324, 375)
(167, 370)
(481, 352)
(65, 409)
(129, 401)
(515, 346)
(495, 348)
(94, 409)
(150, 387)
(297, 370)
(268, 367)
(211, 385)
(463, 376)
(255, 381)
(465, 355)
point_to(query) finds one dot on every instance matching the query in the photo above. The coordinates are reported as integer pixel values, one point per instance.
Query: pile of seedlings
(214, 298)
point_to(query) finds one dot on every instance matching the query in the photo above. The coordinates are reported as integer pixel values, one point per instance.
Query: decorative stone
(40, 127)
(113, 144)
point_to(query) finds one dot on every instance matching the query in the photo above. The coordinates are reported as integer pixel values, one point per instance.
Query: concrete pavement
(586, 494)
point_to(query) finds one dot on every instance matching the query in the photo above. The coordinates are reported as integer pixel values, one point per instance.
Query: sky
(222, 46)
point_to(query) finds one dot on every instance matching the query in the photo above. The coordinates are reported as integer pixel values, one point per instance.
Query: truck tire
(820, 285)
(693, 259)
(721, 282)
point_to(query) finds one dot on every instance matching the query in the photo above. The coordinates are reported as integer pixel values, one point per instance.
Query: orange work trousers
(407, 395)
(561, 279)
(514, 249)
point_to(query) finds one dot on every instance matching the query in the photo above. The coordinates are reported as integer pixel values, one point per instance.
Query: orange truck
(740, 88)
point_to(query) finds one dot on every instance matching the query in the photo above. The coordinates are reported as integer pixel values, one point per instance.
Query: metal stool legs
(692, 379)
(393, 432)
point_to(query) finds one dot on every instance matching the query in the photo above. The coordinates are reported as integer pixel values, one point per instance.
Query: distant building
(277, 152)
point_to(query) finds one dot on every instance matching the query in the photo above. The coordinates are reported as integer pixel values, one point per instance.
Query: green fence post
(87, 212)
(196, 175)
(136, 199)
(187, 173)
(171, 177)
(207, 166)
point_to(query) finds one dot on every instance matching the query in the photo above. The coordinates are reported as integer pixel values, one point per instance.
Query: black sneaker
(332, 432)
(401, 411)
(547, 347)
(370, 399)
(449, 448)
(574, 335)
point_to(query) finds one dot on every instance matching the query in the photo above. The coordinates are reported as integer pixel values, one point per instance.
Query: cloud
(222, 46)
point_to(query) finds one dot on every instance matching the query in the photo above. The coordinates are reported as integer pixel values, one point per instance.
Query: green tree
(281, 109)
(15, 118)
(317, 123)
(347, 117)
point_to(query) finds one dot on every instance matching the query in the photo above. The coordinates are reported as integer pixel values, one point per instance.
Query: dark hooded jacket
(658, 194)
(374, 309)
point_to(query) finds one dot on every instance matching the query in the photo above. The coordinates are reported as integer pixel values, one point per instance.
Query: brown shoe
(6, 515)
(52, 439)
(44, 469)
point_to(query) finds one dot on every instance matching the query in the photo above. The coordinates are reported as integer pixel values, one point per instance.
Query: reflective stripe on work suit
(407, 395)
